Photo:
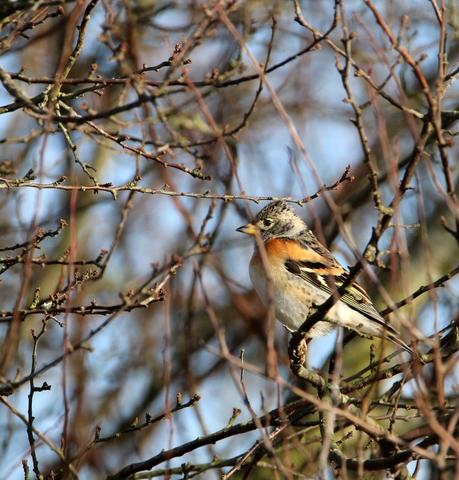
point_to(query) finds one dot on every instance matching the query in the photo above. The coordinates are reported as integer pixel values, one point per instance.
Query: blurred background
(158, 110)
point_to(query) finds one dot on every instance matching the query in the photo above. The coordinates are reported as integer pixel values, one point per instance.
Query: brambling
(305, 274)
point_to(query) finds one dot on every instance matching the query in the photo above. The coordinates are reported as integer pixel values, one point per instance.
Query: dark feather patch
(292, 267)
(313, 265)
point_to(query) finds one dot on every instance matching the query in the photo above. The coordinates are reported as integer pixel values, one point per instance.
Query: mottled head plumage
(277, 219)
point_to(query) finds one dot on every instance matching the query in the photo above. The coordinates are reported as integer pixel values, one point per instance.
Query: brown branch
(133, 187)
(144, 295)
(268, 420)
(423, 289)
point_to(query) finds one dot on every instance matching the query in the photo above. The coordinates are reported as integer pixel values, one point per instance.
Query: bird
(304, 274)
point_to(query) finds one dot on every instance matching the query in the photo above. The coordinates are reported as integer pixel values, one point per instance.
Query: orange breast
(281, 249)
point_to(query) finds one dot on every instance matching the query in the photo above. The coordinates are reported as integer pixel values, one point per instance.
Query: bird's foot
(298, 347)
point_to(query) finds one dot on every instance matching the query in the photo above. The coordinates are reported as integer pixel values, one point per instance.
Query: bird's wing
(316, 265)
(312, 262)
(356, 298)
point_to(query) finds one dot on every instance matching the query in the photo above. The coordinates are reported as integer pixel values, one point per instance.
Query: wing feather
(356, 298)
(321, 269)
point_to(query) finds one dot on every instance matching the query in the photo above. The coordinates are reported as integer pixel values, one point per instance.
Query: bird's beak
(249, 229)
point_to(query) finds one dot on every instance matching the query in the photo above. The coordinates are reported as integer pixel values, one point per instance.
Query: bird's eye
(267, 222)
